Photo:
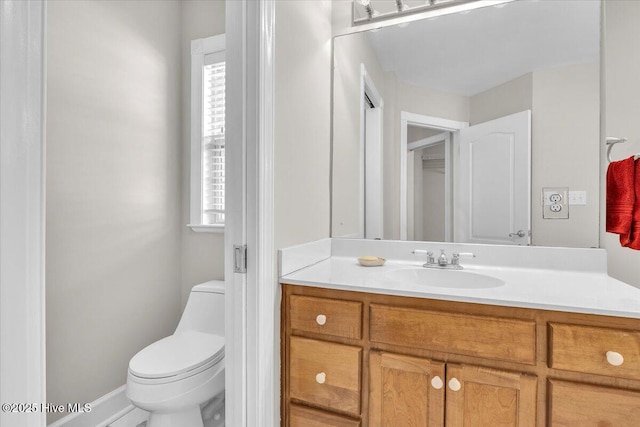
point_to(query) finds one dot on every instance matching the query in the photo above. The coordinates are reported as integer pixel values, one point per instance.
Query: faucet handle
(430, 258)
(464, 255)
(429, 254)
(455, 259)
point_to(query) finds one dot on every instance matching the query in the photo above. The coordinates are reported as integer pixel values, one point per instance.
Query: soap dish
(371, 261)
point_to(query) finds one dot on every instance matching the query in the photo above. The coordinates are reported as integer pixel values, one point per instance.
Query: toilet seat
(176, 357)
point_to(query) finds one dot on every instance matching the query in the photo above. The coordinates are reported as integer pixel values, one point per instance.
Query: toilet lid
(177, 354)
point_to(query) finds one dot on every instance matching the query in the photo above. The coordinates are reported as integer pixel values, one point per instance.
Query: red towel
(632, 239)
(621, 196)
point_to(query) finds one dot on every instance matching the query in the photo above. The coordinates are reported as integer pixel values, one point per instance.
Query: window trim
(199, 49)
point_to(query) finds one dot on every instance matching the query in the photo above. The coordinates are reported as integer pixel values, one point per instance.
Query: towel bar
(611, 141)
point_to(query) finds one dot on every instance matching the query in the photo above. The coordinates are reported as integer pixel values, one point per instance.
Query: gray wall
(302, 117)
(302, 56)
(622, 67)
(565, 151)
(508, 98)
(350, 52)
(120, 259)
(202, 253)
(565, 104)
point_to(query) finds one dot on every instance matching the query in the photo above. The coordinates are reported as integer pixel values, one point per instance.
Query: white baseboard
(111, 410)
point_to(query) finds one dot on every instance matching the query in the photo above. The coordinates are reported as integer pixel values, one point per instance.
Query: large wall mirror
(458, 128)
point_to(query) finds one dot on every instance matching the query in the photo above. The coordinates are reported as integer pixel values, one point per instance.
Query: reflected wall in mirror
(420, 150)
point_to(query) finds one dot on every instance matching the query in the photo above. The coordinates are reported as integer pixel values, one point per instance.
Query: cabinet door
(486, 397)
(301, 416)
(573, 404)
(405, 391)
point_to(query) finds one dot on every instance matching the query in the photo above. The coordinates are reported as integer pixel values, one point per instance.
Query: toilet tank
(205, 309)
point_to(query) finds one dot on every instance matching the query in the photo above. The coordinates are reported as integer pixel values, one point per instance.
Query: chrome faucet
(443, 261)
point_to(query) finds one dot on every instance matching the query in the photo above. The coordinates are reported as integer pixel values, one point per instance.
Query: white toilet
(173, 377)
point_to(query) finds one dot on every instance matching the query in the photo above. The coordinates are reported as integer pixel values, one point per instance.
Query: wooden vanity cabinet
(576, 404)
(371, 360)
(301, 416)
(490, 397)
(417, 392)
(405, 390)
(325, 373)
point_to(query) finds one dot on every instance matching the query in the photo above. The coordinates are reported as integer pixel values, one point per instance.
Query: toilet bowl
(173, 377)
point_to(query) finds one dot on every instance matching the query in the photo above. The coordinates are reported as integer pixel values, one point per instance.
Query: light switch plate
(555, 202)
(578, 198)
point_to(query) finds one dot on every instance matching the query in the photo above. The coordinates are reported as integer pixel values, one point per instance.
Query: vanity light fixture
(367, 7)
(364, 12)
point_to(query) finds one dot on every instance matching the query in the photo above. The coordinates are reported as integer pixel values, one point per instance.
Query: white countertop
(592, 292)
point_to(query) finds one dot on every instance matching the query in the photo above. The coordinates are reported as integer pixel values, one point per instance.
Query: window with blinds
(213, 138)
(207, 196)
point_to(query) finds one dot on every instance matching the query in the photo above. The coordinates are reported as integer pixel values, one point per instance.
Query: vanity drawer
(307, 417)
(595, 350)
(489, 337)
(576, 404)
(326, 374)
(326, 316)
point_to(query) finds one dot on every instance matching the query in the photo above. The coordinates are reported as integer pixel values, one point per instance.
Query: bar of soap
(371, 261)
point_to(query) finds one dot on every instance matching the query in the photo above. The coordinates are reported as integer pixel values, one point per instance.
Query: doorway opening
(432, 138)
(428, 184)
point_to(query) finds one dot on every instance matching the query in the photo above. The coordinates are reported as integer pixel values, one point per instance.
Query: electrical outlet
(555, 203)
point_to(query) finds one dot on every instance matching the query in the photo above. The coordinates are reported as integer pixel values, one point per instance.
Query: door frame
(413, 119)
(368, 88)
(252, 359)
(22, 209)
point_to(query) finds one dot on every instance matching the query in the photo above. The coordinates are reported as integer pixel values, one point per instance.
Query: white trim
(368, 87)
(425, 142)
(235, 294)
(252, 357)
(406, 119)
(263, 288)
(208, 45)
(22, 205)
(199, 49)
(105, 410)
(206, 228)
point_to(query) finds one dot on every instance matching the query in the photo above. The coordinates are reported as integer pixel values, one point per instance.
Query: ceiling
(467, 53)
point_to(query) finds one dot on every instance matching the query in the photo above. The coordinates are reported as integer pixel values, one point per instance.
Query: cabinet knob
(454, 384)
(321, 378)
(614, 358)
(436, 382)
(321, 319)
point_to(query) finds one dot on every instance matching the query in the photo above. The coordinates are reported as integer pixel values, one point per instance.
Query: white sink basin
(443, 278)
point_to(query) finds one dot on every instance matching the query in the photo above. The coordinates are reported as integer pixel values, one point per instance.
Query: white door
(494, 185)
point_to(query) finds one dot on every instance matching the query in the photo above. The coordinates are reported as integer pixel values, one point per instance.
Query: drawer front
(301, 416)
(326, 374)
(595, 350)
(482, 336)
(575, 404)
(326, 316)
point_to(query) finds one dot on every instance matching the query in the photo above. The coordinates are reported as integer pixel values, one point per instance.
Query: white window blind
(213, 140)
